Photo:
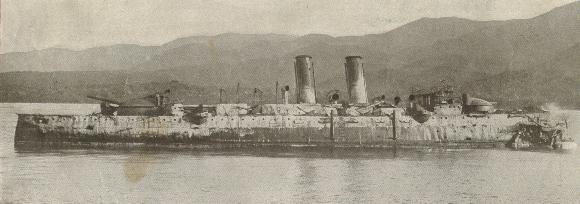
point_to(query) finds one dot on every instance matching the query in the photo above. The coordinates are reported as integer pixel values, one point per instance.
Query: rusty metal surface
(271, 129)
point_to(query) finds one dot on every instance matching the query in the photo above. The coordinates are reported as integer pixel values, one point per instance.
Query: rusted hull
(220, 131)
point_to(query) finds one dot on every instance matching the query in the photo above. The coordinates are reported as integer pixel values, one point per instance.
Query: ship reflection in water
(317, 176)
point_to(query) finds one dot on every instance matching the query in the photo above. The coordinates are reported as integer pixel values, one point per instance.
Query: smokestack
(355, 80)
(305, 85)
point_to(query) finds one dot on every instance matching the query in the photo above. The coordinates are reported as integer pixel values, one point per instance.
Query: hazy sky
(77, 24)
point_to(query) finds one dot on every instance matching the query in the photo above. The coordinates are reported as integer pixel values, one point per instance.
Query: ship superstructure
(431, 118)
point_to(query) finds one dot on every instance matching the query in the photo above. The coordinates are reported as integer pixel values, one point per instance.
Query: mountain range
(514, 62)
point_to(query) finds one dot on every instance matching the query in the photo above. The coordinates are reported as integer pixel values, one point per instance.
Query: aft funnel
(305, 85)
(355, 80)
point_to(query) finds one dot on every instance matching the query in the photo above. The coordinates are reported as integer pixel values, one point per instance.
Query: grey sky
(78, 24)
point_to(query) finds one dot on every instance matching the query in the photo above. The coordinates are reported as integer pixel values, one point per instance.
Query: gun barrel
(103, 99)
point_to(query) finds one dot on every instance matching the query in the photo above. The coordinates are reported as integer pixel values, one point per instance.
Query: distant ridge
(524, 61)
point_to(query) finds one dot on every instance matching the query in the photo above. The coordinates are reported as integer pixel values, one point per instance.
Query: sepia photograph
(289, 101)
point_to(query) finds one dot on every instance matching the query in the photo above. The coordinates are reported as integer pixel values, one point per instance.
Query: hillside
(500, 60)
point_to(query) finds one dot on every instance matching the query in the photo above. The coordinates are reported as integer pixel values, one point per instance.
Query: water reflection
(136, 167)
(354, 177)
(307, 180)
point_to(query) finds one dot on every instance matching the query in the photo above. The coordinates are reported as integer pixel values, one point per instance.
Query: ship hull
(251, 130)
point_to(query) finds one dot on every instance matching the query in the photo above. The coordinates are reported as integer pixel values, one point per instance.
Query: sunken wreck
(433, 118)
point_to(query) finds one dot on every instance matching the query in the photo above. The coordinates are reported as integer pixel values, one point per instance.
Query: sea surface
(283, 175)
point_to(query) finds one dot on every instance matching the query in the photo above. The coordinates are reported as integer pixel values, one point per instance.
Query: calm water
(286, 176)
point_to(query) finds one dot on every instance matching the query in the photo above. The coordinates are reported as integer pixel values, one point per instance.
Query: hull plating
(347, 131)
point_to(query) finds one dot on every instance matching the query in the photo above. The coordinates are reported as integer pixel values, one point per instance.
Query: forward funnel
(305, 84)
